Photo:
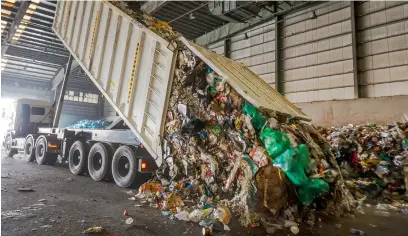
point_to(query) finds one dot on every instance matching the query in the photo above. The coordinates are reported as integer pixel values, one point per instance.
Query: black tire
(29, 149)
(124, 167)
(99, 162)
(77, 158)
(41, 151)
(7, 146)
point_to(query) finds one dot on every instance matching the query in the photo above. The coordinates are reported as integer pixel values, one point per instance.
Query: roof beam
(228, 30)
(151, 7)
(14, 25)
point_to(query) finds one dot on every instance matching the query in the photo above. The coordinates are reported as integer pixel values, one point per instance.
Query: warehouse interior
(333, 56)
(339, 62)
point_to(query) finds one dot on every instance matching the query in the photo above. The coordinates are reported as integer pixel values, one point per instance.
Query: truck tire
(77, 158)
(7, 144)
(124, 167)
(41, 151)
(99, 162)
(29, 149)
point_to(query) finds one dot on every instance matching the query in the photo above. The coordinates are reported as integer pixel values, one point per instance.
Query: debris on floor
(24, 189)
(372, 159)
(94, 229)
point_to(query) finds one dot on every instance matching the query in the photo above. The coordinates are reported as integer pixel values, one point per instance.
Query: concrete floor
(74, 203)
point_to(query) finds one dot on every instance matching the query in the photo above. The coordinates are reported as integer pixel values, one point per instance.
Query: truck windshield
(39, 111)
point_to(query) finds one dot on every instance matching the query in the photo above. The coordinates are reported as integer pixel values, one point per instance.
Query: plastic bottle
(357, 232)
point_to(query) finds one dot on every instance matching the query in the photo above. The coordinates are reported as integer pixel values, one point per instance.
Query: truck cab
(25, 117)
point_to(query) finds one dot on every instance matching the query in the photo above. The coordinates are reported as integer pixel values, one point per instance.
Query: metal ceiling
(34, 53)
(193, 18)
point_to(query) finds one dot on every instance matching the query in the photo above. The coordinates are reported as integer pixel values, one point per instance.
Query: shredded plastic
(90, 124)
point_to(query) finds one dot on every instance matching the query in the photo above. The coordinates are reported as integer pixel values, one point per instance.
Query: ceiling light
(6, 4)
(192, 16)
(36, 1)
(27, 17)
(11, 1)
(33, 6)
(6, 12)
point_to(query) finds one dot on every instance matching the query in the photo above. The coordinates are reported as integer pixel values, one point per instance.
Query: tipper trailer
(133, 69)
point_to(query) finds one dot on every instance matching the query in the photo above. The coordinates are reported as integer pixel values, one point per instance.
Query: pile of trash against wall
(224, 156)
(227, 151)
(372, 159)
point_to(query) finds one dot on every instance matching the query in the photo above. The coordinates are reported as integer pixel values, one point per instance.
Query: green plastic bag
(258, 120)
(275, 142)
(251, 163)
(312, 189)
(293, 162)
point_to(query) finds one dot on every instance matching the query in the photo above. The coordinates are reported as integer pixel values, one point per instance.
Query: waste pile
(372, 158)
(90, 124)
(223, 156)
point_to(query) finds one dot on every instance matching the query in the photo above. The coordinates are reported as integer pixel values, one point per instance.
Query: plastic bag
(293, 162)
(312, 189)
(275, 142)
(258, 120)
(183, 215)
(251, 163)
(223, 214)
(195, 215)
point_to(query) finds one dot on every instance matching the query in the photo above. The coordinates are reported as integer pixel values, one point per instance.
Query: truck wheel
(7, 145)
(29, 150)
(41, 151)
(77, 158)
(99, 162)
(124, 167)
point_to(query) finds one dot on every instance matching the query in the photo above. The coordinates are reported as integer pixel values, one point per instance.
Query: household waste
(223, 156)
(372, 159)
(90, 124)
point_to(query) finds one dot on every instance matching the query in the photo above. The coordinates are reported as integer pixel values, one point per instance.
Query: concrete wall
(381, 110)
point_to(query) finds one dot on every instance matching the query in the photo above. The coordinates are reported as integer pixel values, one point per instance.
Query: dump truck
(133, 69)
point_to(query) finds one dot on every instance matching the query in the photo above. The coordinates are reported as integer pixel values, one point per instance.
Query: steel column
(354, 49)
(227, 47)
(62, 92)
(278, 61)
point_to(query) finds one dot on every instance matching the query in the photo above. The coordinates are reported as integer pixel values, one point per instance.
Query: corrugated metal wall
(316, 51)
(217, 47)
(74, 111)
(108, 111)
(382, 30)
(255, 48)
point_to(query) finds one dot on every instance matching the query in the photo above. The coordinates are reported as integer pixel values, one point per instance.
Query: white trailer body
(130, 65)
(133, 67)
